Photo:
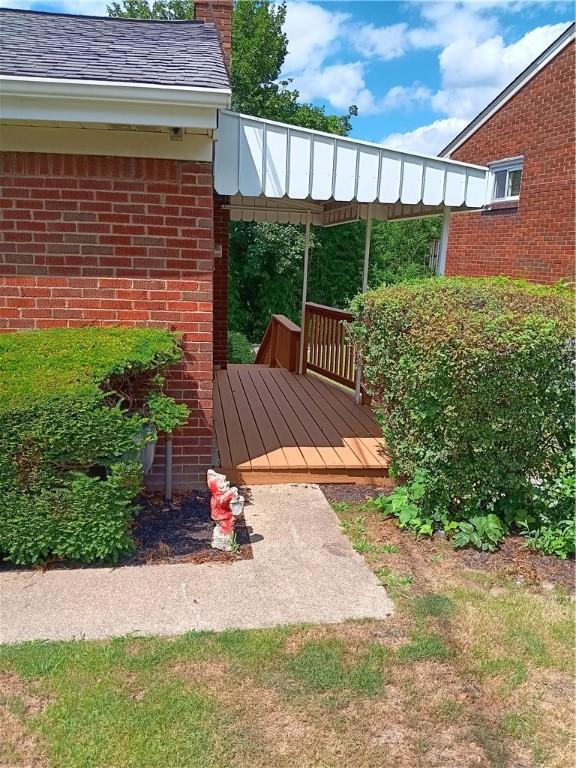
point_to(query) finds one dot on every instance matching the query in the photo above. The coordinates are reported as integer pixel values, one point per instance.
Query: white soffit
(257, 158)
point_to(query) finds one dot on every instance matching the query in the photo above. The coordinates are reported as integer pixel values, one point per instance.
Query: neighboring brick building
(526, 137)
(108, 210)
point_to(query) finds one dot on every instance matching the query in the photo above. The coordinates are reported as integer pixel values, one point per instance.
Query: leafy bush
(549, 522)
(472, 381)
(70, 431)
(239, 348)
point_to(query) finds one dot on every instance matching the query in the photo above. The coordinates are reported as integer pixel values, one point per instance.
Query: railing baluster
(329, 352)
(327, 349)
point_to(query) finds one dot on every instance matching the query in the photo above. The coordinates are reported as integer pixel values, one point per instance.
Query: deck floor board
(274, 426)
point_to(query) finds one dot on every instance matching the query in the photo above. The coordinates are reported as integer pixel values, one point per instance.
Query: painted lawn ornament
(226, 504)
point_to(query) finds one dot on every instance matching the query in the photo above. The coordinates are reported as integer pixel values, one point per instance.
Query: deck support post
(303, 340)
(367, 240)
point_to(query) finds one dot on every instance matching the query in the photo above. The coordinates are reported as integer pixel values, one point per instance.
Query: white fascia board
(110, 102)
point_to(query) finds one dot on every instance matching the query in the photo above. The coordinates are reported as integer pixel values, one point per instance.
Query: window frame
(509, 165)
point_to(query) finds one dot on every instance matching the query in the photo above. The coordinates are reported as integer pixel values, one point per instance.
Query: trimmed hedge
(74, 405)
(472, 380)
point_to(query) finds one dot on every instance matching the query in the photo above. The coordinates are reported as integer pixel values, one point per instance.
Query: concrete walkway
(304, 570)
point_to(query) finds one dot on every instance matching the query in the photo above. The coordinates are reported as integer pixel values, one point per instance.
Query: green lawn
(473, 670)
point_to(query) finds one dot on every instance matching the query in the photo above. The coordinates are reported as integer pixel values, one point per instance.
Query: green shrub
(549, 522)
(70, 432)
(472, 382)
(239, 348)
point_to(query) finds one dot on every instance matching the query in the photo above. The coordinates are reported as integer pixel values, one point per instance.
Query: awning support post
(358, 393)
(443, 249)
(303, 340)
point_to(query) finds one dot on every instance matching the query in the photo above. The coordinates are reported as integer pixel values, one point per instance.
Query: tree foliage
(161, 10)
(259, 48)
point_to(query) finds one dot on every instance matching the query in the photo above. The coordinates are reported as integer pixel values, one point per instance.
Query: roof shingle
(183, 53)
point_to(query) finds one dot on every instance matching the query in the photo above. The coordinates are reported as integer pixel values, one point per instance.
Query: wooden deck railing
(280, 345)
(329, 351)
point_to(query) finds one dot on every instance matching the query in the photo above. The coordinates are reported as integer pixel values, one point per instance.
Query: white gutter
(61, 100)
(109, 90)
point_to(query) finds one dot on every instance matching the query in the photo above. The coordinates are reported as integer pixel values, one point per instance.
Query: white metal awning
(278, 172)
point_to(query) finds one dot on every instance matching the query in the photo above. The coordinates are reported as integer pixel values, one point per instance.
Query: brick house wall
(219, 12)
(536, 239)
(98, 240)
(110, 240)
(221, 263)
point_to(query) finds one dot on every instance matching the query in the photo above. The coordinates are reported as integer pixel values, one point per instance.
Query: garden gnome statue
(226, 504)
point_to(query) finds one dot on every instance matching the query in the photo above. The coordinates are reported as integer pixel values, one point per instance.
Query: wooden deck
(273, 426)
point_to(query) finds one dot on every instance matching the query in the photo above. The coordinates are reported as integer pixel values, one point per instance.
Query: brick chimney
(219, 13)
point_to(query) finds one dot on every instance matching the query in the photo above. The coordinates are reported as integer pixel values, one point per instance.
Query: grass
(422, 647)
(393, 580)
(462, 675)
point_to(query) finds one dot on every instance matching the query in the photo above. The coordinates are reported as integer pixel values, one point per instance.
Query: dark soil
(351, 494)
(179, 532)
(512, 559)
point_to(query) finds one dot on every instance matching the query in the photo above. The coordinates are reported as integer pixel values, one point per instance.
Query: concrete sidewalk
(304, 570)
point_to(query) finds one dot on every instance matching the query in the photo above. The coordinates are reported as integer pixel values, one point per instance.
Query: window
(506, 178)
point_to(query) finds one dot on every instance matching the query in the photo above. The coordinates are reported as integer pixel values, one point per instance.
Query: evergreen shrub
(239, 349)
(76, 406)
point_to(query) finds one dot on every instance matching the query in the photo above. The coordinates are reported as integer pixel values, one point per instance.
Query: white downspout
(303, 340)
(443, 250)
(357, 393)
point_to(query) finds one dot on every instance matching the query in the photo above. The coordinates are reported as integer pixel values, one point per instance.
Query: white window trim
(507, 164)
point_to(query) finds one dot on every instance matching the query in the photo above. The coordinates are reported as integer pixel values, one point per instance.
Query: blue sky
(418, 71)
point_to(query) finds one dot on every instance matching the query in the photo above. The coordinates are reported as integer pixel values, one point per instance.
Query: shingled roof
(182, 53)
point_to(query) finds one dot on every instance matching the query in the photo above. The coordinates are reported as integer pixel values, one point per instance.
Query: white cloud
(447, 22)
(382, 42)
(339, 84)
(474, 61)
(401, 97)
(491, 62)
(344, 84)
(313, 33)
(428, 139)
(472, 75)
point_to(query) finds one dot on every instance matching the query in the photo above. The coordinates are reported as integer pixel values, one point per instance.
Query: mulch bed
(351, 494)
(179, 532)
(511, 559)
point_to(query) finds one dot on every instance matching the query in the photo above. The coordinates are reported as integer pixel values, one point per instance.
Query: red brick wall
(221, 225)
(535, 240)
(104, 240)
(219, 13)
